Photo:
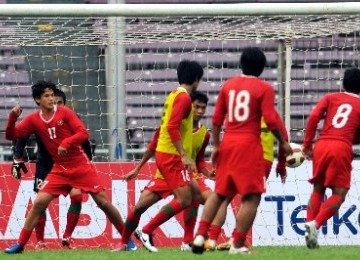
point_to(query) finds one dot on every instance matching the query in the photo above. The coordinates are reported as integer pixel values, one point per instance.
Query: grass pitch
(275, 252)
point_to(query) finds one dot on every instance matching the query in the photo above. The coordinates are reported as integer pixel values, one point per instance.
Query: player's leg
(315, 201)
(146, 200)
(216, 226)
(190, 213)
(73, 216)
(327, 209)
(40, 204)
(178, 180)
(40, 174)
(211, 206)
(109, 209)
(182, 199)
(244, 220)
(331, 205)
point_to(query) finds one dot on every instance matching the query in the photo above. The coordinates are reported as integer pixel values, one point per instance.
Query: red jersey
(64, 129)
(241, 103)
(200, 157)
(341, 112)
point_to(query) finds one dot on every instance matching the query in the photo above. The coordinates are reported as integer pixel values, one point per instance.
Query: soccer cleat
(241, 250)
(40, 245)
(185, 246)
(14, 249)
(146, 240)
(119, 247)
(210, 245)
(131, 246)
(311, 235)
(225, 246)
(68, 242)
(198, 245)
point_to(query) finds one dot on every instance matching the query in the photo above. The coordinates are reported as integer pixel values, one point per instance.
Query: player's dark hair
(39, 88)
(189, 71)
(199, 96)
(351, 81)
(60, 93)
(252, 61)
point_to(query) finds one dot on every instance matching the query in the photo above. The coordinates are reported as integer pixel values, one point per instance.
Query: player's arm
(80, 136)
(271, 118)
(200, 159)
(217, 121)
(181, 109)
(281, 158)
(22, 129)
(150, 151)
(313, 120)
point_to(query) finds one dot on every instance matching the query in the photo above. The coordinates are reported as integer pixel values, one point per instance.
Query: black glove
(17, 167)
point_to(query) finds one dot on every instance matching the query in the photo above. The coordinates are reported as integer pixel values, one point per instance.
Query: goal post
(117, 63)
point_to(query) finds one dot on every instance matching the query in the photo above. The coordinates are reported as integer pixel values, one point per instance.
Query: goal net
(117, 70)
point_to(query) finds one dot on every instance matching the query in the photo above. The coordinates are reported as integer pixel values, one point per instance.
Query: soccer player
(44, 164)
(332, 153)
(242, 100)
(157, 188)
(174, 148)
(62, 133)
(267, 143)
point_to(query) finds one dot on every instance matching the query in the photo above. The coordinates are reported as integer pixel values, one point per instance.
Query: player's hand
(17, 110)
(131, 175)
(281, 171)
(307, 153)
(212, 174)
(17, 167)
(188, 163)
(62, 150)
(286, 148)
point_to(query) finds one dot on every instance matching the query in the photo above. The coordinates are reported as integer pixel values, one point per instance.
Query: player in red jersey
(332, 154)
(241, 103)
(62, 133)
(267, 143)
(174, 148)
(44, 164)
(157, 188)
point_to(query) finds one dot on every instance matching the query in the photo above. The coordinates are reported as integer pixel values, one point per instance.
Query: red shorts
(332, 164)
(202, 185)
(173, 170)
(61, 181)
(158, 186)
(238, 170)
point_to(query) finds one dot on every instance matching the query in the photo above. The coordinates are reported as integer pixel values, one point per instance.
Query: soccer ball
(296, 159)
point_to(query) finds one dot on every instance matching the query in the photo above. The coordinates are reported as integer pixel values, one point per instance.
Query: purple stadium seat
(25, 102)
(142, 136)
(144, 111)
(219, 57)
(14, 77)
(15, 91)
(209, 74)
(143, 122)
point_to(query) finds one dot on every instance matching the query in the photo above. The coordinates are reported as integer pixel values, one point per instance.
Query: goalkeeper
(44, 164)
